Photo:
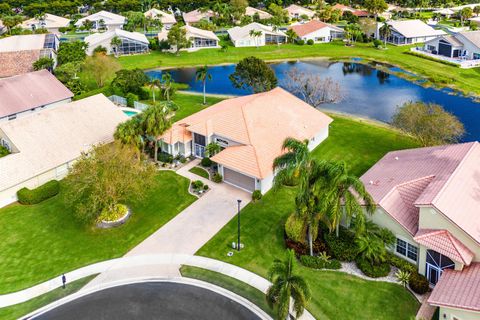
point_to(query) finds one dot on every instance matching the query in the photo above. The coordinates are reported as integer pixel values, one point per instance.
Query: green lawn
(200, 172)
(43, 241)
(191, 103)
(466, 80)
(22, 309)
(242, 289)
(335, 295)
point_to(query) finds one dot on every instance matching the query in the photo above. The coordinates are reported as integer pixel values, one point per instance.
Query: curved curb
(183, 280)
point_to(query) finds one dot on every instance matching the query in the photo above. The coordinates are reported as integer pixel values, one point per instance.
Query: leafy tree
(127, 81)
(87, 25)
(476, 10)
(375, 7)
(67, 71)
(177, 37)
(286, 285)
(11, 21)
(106, 176)
(101, 67)
(429, 123)
(385, 32)
(116, 42)
(253, 73)
(155, 120)
(135, 19)
(291, 35)
(279, 15)
(465, 14)
(71, 52)
(237, 8)
(100, 50)
(43, 63)
(202, 75)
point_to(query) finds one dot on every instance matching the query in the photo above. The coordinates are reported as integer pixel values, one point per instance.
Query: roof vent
(396, 158)
(370, 182)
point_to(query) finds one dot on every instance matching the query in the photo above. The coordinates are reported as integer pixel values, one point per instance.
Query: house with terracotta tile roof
(430, 199)
(199, 38)
(44, 144)
(250, 130)
(18, 53)
(167, 19)
(317, 31)
(356, 12)
(297, 12)
(196, 16)
(252, 12)
(31, 92)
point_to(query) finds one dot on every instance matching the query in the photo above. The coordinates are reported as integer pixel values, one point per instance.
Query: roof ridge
(455, 172)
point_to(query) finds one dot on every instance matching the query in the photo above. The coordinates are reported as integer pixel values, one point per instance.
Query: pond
(368, 92)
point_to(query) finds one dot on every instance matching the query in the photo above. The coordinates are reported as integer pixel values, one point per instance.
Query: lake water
(368, 92)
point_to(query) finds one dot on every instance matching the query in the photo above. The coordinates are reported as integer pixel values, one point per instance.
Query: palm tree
(343, 193)
(154, 83)
(293, 163)
(291, 35)
(202, 75)
(116, 42)
(155, 121)
(255, 35)
(212, 149)
(167, 84)
(371, 249)
(129, 133)
(287, 285)
(385, 32)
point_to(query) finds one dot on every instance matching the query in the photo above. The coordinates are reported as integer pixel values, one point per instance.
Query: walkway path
(139, 262)
(187, 232)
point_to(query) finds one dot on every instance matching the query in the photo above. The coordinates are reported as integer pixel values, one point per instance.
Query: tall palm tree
(256, 36)
(291, 35)
(344, 196)
(287, 285)
(167, 84)
(116, 42)
(293, 163)
(212, 149)
(153, 84)
(129, 133)
(155, 121)
(385, 32)
(202, 75)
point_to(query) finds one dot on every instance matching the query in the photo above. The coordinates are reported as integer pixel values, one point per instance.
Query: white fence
(121, 101)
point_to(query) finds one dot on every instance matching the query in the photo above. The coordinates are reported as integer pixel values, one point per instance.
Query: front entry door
(436, 263)
(199, 151)
(433, 273)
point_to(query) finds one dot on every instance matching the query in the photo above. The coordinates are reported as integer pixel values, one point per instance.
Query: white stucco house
(406, 32)
(462, 45)
(429, 199)
(44, 144)
(167, 19)
(262, 15)
(103, 20)
(242, 37)
(250, 130)
(131, 42)
(196, 16)
(49, 21)
(296, 12)
(317, 31)
(199, 38)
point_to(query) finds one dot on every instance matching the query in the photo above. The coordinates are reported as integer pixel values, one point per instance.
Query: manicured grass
(242, 289)
(190, 104)
(335, 295)
(466, 80)
(22, 309)
(200, 172)
(43, 241)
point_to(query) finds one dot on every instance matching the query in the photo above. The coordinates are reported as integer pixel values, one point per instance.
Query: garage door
(238, 179)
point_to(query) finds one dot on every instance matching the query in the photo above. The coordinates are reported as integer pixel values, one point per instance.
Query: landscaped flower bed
(198, 188)
(113, 218)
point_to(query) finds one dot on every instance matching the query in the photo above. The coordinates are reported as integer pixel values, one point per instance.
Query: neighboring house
(44, 144)
(18, 53)
(430, 199)
(196, 16)
(199, 39)
(250, 130)
(445, 12)
(131, 42)
(241, 37)
(463, 45)
(474, 20)
(50, 22)
(296, 12)
(263, 15)
(409, 32)
(344, 8)
(31, 92)
(103, 20)
(317, 31)
(3, 29)
(167, 19)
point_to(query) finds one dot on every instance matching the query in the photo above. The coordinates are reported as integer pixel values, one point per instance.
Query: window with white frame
(406, 249)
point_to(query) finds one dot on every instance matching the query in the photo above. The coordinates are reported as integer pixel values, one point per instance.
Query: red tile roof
(30, 90)
(309, 27)
(458, 289)
(445, 243)
(361, 13)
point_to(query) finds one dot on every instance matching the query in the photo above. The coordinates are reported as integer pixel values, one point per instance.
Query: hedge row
(44, 192)
(319, 263)
(373, 271)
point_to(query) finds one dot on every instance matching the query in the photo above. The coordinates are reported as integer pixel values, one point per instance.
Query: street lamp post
(238, 221)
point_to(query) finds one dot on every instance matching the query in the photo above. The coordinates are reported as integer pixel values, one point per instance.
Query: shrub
(310, 42)
(295, 229)
(217, 178)
(256, 195)
(37, 195)
(3, 151)
(418, 283)
(303, 249)
(319, 263)
(377, 43)
(205, 187)
(400, 263)
(131, 98)
(118, 211)
(100, 49)
(197, 184)
(206, 162)
(300, 42)
(342, 248)
(373, 271)
(165, 157)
